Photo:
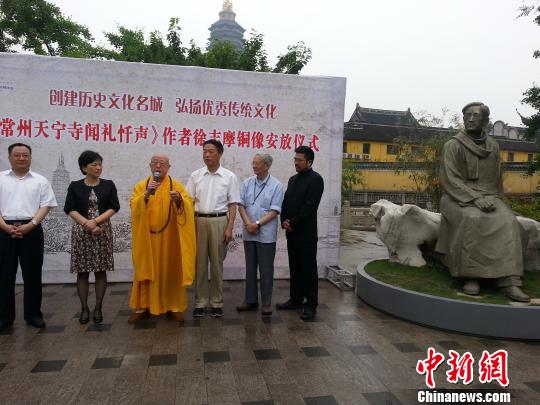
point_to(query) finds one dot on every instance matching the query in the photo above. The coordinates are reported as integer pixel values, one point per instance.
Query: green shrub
(529, 209)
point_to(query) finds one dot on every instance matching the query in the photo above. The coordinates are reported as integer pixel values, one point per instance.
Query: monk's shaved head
(159, 163)
(160, 158)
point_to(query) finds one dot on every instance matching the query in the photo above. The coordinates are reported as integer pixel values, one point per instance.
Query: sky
(425, 55)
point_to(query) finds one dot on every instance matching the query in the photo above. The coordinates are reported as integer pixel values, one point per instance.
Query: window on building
(344, 147)
(416, 150)
(530, 157)
(392, 149)
(366, 148)
(510, 157)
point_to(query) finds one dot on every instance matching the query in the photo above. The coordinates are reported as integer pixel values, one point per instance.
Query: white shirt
(213, 192)
(21, 197)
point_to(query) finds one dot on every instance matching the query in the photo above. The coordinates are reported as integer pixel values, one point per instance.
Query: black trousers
(27, 251)
(303, 268)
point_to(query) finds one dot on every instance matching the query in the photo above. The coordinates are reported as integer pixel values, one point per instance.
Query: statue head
(475, 117)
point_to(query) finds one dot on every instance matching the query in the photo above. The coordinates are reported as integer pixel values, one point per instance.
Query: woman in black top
(91, 202)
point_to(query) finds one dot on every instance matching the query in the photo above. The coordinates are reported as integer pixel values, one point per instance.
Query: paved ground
(349, 354)
(357, 246)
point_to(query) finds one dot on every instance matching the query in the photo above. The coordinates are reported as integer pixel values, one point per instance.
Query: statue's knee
(473, 214)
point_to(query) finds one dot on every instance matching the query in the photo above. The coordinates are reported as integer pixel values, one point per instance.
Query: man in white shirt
(25, 200)
(216, 192)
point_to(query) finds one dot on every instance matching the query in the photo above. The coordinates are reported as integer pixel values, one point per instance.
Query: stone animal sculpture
(404, 228)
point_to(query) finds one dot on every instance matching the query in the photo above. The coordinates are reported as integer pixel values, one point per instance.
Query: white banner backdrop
(129, 111)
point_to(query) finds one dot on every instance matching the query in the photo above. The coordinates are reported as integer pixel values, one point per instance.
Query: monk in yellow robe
(163, 247)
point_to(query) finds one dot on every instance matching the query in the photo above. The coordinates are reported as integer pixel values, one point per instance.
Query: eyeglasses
(159, 162)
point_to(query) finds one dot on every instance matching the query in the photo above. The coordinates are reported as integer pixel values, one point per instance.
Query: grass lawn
(434, 279)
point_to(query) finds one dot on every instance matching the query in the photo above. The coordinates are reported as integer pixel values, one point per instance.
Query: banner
(129, 111)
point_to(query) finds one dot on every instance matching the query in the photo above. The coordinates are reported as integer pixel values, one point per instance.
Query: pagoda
(226, 28)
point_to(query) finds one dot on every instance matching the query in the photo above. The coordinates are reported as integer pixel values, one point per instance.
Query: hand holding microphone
(154, 184)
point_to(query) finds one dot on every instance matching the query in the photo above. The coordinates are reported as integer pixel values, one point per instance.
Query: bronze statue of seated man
(479, 235)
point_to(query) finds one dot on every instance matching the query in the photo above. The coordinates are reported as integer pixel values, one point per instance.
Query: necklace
(91, 185)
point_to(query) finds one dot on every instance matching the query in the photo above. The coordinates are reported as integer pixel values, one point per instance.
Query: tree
(194, 55)
(131, 46)
(532, 95)
(177, 51)
(294, 60)
(350, 177)
(222, 55)
(419, 157)
(420, 161)
(534, 10)
(253, 56)
(447, 119)
(40, 27)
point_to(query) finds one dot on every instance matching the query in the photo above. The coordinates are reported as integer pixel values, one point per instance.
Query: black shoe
(85, 316)
(247, 307)
(216, 312)
(5, 324)
(198, 312)
(98, 316)
(36, 322)
(289, 305)
(308, 314)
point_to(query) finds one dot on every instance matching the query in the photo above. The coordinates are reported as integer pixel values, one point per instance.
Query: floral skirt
(92, 253)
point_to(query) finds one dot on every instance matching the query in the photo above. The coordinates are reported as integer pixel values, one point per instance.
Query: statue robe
(163, 263)
(476, 244)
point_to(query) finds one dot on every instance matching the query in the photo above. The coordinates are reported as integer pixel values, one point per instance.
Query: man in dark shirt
(299, 219)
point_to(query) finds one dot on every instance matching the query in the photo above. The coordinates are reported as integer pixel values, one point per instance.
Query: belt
(17, 221)
(213, 215)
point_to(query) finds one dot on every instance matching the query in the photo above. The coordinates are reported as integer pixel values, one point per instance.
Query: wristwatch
(34, 222)
(258, 223)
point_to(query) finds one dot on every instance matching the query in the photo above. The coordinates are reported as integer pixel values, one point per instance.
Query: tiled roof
(384, 117)
(392, 166)
(517, 145)
(390, 133)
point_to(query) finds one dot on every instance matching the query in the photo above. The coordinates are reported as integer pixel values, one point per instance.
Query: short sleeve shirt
(260, 197)
(213, 192)
(21, 197)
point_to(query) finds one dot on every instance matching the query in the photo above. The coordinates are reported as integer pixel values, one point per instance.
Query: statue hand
(484, 204)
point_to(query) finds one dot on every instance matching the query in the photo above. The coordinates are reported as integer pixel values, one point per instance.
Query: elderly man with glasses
(163, 229)
(261, 195)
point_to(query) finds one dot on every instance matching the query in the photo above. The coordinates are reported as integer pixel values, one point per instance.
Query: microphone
(157, 176)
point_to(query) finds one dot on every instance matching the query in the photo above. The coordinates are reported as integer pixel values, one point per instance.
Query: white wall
(29, 91)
